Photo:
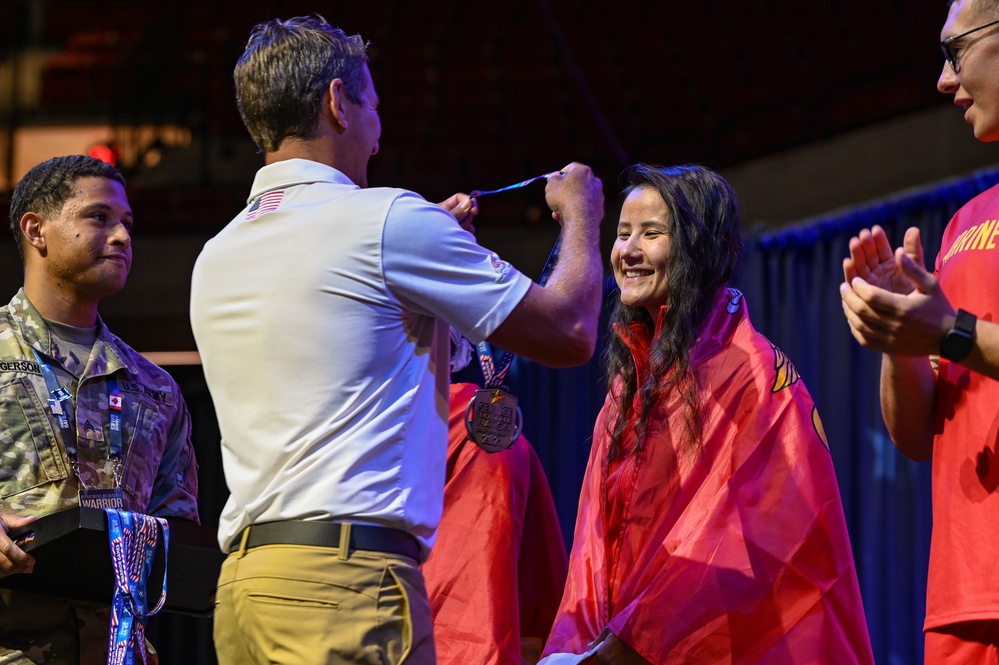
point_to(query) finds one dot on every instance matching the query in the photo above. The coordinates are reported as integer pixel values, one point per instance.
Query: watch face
(956, 345)
(965, 323)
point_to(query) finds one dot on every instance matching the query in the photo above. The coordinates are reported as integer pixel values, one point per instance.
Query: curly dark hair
(705, 252)
(282, 76)
(46, 187)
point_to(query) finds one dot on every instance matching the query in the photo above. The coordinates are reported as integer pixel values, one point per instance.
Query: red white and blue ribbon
(494, 372)
(134, 538)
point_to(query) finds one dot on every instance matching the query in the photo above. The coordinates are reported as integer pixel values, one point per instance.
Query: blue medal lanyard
(60, 400)
(493, 373)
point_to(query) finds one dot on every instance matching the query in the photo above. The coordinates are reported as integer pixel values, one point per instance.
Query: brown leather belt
(327, 534)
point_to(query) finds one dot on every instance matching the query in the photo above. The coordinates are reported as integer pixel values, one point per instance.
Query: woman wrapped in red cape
(710, 527)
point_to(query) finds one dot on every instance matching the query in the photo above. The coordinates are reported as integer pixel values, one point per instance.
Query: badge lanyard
(60, 400)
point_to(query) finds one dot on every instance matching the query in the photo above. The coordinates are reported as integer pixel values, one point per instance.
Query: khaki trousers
(305, 605)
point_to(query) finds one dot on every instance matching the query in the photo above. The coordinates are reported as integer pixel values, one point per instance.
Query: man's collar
(289, 172)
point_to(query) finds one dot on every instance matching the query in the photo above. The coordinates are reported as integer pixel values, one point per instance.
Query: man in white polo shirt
(321, 313)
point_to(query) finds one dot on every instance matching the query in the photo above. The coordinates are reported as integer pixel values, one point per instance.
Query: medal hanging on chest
(492, 417)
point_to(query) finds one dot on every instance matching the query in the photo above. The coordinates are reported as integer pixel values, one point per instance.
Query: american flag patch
(265, 203)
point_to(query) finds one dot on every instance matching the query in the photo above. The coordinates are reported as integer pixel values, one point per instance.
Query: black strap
(327, 534)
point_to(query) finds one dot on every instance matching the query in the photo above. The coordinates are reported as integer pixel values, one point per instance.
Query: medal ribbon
(476, 193)
(133, 538)
(493, 373)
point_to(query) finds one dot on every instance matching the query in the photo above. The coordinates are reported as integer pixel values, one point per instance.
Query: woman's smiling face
(641, 250)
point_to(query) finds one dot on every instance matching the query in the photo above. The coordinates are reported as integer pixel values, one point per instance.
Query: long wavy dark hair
(705, 252)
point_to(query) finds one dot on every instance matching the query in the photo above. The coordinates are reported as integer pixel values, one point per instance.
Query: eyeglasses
(951, 56)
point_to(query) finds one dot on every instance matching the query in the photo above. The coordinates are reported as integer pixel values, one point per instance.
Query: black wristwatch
(957, 343)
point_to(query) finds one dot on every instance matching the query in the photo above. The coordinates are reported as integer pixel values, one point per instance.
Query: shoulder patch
(500, 267)
(267, 202)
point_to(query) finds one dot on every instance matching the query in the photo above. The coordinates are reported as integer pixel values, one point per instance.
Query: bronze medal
(493, 419)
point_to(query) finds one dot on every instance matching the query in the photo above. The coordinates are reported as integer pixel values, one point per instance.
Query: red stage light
(105, 153)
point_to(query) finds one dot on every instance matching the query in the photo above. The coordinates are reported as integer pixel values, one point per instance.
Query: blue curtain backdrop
(791, 281)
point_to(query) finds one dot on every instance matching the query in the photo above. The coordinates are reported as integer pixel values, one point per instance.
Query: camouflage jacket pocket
(30, 454)
(145, 436)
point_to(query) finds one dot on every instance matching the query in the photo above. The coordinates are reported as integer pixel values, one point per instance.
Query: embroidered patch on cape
(786, 374)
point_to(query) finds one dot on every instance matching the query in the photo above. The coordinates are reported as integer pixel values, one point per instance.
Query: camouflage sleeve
(13, 657)
(175, 491)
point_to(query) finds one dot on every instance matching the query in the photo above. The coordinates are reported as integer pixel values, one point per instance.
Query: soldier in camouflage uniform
(71, 220)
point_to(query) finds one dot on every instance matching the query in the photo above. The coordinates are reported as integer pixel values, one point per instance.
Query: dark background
(805, 106)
